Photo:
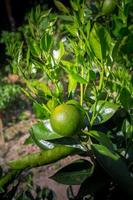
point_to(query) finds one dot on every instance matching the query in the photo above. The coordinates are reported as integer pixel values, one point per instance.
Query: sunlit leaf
(75, 76)
(44, 131)
(105, 110)
(60, 52)
(72, 84)
(100, 41)
(72, 29)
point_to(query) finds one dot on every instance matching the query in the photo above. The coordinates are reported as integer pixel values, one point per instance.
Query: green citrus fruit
(66, 120)
(108, 6)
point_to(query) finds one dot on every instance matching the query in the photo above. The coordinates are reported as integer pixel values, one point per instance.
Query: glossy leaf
(41, 133)
(41, 143)
(69, 141)
(44, 137)
(102, 138)
(115, 166)
(105, 110)
(44, 131)
(74, 173)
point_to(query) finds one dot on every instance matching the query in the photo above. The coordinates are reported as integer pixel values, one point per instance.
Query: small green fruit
(66, 120)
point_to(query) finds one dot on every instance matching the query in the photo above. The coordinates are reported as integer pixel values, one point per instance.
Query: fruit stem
(101, 78)
(81, 88)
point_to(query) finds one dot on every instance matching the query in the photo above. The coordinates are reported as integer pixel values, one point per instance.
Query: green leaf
(75, 76)
(97, 182)
(39, 111)
(44, 131)
(74, 5)
(69, 141)
(28, 57)
(66, 18)
(127, 129)
(44, 137)
(73, 102)
(42, 86)
(115, 166)
(92, 75)
(42, 144)
(102, 138)
(60, 52)
(129, 153)
(72, 29)
(46, 42)
(61, 7)
(95, 43)
(105, 110)
(100, 41)
(7, 178)
(41, 133)
(34, 47)
(72, 84)
(75, 173)
(126, 99)
(28, 140)
(67, 63)
(2, 190)
(87, 28)
(52, 103)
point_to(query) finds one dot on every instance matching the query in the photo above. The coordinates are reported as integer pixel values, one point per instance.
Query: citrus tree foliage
(8, 93)
(81, 56)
